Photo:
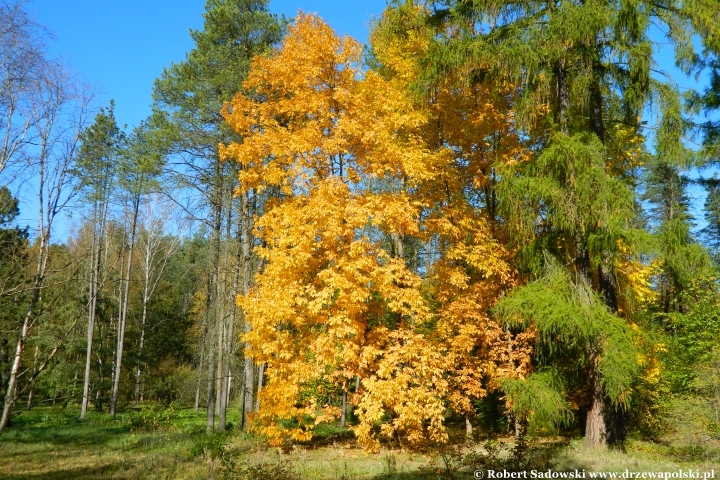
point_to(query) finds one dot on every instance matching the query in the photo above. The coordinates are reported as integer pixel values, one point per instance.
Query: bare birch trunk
(141, 346)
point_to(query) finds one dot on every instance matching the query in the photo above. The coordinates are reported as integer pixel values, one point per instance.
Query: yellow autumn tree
(476, 123)
(345, 157)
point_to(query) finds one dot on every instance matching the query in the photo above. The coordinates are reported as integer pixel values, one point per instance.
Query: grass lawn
(46, 444)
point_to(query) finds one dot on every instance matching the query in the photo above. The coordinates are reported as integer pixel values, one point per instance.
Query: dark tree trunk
(595, 427)
(249, 366)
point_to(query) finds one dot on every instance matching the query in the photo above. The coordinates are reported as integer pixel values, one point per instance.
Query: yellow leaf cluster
(636, 278)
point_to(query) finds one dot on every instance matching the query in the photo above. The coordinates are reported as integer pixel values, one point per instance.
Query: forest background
(480, 221)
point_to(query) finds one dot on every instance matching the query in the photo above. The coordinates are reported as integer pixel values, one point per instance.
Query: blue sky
(122, 46)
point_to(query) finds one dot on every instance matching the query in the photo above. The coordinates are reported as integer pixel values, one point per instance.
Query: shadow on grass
(66, 436)
(329, 438)
(85, 473)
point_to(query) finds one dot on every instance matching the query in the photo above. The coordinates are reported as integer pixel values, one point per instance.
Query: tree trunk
(122, 321)
(220, 386)
(88, 356)
(138, 369)
(615, 420)
(227, 387)
(31, 384)
(261, 374)
(92, 300)
(249, 367)
(249, 378)
(200, 367)
(595, 428)
(343, 412)
(606, 424)
(211, 386)
(212, 305)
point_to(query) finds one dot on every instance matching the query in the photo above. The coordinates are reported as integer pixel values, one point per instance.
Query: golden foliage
(355, 168)
(635, 279)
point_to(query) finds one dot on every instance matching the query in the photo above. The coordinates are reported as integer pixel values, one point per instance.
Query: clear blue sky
(122, 46)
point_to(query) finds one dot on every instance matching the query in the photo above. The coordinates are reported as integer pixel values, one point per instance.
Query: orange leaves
(355, 177)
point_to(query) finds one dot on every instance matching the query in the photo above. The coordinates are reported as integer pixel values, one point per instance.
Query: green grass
(153, 443)
(43, 444)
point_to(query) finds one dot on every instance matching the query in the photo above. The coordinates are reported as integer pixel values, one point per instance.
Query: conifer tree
(96, 169)
(681, 258)
(703, 15)
(583, 70)
(188, 98)
(140, 163)
(711, 232)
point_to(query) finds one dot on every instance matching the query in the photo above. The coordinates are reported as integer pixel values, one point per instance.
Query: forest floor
(151, 443)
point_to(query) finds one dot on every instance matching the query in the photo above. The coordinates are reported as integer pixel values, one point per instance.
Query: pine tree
(188, 98)
(140, 163)
(96, 169)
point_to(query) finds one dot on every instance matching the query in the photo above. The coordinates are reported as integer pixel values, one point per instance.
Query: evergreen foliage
(540, 399)
(571, 318)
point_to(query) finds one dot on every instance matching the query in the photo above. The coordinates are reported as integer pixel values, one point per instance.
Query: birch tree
(64, 109)
(156, 245)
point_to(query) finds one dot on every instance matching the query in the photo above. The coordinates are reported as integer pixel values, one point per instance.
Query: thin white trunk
(96, 247)
(122, 321)
(261, 374)
(91, 325)
(138, 368)
(200, 367)
(40, 268)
